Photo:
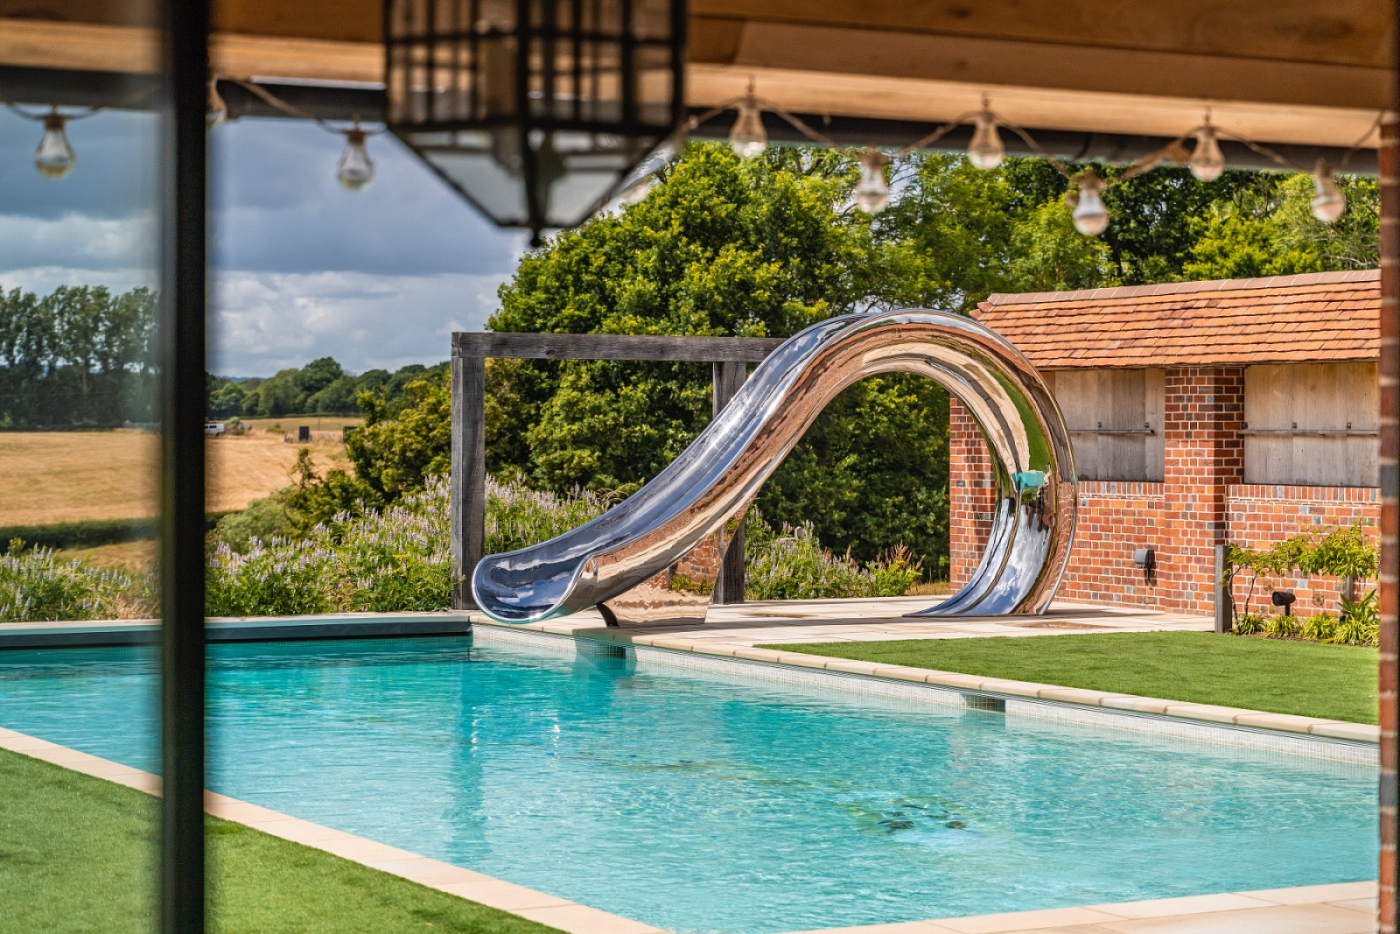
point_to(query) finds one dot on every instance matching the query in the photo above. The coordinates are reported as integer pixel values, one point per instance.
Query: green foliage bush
(1248, 624)
(1282, 626)
(265, 519)
(37, 587)
(1361, 621)
(517, 516)
(1320, 627)
(790, 564)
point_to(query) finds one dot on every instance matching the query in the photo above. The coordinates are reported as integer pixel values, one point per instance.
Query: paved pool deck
(1343, 908)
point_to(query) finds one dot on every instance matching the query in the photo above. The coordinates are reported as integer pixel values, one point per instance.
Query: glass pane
(80, 277)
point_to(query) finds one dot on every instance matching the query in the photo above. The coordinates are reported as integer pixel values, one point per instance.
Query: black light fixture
(535, 110)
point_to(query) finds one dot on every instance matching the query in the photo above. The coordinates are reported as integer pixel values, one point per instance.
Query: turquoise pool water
(704, 803)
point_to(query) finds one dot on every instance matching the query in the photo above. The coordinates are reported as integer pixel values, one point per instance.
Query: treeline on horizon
(322, 387)
(87, 357)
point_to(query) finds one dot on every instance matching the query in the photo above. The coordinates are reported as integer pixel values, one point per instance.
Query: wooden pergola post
(729, 357)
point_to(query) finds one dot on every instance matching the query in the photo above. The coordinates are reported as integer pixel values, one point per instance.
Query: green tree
(1268, 230)
(317, 375)
(393, 453)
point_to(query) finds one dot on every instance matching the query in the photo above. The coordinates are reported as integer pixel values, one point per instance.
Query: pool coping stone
(72, 634)
(1362, 733)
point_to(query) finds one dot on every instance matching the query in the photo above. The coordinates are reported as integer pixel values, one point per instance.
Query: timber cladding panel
(1115, 420)
(1313, 424)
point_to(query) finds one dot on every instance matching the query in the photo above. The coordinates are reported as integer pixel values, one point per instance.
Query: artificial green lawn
(77, 855)
(1336, 682)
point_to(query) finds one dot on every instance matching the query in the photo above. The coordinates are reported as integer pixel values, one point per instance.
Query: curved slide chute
(654, 556)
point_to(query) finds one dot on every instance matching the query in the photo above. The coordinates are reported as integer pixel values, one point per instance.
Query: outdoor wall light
(1146, 558)
(54, 158)
(536, 111)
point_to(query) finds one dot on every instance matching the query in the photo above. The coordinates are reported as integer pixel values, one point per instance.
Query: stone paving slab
(1345, 908)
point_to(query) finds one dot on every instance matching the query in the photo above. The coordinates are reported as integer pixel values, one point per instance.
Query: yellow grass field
(68, 476)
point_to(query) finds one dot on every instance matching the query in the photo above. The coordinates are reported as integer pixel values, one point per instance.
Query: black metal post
(182, 394)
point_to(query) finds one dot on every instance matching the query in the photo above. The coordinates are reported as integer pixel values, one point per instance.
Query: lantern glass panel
(598, 79)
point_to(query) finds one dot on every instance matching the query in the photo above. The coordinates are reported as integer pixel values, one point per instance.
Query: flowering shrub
(397, 559)
(790, 564)
(36, 586)
(517, 517)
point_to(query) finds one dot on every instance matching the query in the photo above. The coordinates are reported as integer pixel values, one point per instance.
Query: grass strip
(77, 854)
(1334, 682)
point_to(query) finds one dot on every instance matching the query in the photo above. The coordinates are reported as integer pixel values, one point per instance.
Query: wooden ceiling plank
(1339, 31)
(1060, 67)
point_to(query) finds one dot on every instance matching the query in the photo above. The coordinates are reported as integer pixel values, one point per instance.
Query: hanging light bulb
(1328, 203)
(986, 150)
(748, 138)
(216, 112)
(872, 193)
(1207, 161)
(54, 158)
(1090, 216)
(355, 169)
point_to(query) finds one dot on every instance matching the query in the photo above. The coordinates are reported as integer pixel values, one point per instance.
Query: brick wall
(1261, 515)
(1204, 456)
(1201, 502)
(970, 494)
(1115, 518)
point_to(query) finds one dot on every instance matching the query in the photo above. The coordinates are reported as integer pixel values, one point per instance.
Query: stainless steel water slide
(656, 556)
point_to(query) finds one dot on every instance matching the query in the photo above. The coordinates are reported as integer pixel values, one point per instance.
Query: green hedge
(91, 533)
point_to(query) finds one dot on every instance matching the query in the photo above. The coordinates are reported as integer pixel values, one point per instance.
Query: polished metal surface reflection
(654, 557)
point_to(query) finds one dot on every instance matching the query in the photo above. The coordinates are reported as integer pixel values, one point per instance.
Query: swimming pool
(701, 802)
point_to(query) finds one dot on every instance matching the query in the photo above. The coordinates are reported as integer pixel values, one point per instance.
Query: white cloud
(78, 240)
(264, 322)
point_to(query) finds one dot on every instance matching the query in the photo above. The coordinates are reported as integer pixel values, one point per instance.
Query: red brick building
(1241, 410)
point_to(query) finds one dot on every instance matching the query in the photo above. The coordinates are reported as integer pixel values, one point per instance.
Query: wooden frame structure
(729, 357)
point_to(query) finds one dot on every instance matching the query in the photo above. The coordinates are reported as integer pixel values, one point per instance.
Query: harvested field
(69, 476)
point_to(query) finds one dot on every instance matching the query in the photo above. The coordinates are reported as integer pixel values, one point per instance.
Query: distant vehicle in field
(213, 429)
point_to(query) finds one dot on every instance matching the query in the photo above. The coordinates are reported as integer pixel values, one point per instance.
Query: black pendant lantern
(535, 110)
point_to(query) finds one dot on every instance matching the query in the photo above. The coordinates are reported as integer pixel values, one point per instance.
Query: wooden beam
(612, 347)
(729, 378)
(909, 76)
(467, 502)
(822, 65)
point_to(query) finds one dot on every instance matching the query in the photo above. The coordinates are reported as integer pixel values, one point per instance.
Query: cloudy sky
(301, 268)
